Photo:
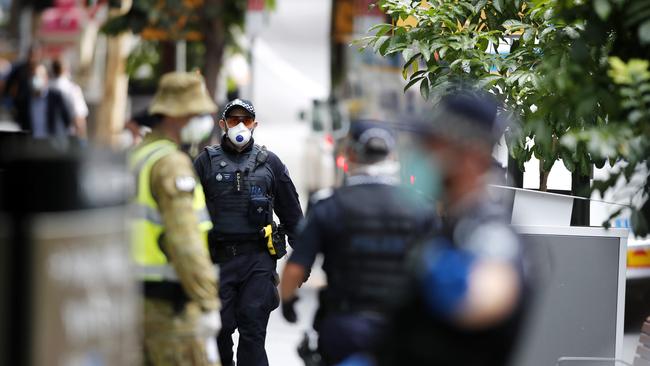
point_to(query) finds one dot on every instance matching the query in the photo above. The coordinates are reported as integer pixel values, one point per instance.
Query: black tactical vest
(239, 193)
(365, 265)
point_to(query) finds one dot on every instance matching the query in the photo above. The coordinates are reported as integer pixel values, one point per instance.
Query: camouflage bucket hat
(182, 94)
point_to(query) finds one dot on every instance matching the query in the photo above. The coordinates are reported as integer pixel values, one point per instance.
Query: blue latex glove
(443, 277)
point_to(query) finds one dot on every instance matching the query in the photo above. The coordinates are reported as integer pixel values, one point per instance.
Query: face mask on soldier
(197, 129)
(239, 135)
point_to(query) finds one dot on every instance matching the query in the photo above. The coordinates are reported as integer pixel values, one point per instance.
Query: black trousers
(343, 335)
(248, 292)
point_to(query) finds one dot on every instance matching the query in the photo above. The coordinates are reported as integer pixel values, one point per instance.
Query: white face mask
(197, 129)
(38, 83)
(239, 135)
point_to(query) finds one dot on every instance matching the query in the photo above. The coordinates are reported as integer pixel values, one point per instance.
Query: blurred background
(294, 59)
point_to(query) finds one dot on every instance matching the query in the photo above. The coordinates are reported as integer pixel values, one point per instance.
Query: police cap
(239, 103)
(466, 117)
(372, 140)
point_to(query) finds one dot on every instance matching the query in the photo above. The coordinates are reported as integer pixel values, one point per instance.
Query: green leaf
(479, 6)
(381, 29)
(407, 54)
(412, 61)
(488, 81)
(425, 89)
(379, 43)
(546, 31)
(413, 81)
(644, 32)
(568, 161)
(498, 5)
(603, 8)
(548, 14)
(426, 52)
(442, 52)
(514, 25)
(571, 32)
(482, 44)
(528, 35)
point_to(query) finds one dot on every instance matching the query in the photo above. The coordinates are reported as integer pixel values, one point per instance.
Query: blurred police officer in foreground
(364, 230)
(245, 184)
(467, 280)
(170, 231)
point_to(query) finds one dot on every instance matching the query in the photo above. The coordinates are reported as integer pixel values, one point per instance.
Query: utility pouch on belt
(259, 211)
(275, 240)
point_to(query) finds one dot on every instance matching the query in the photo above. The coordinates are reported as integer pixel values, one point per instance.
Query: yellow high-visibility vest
(147, 225)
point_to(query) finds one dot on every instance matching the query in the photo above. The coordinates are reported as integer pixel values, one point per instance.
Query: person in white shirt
(73, 96)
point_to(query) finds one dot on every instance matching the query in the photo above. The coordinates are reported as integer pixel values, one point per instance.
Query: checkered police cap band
(248, 106)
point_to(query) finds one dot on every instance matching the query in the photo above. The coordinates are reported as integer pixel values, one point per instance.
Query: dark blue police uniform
(243, 189)
(423, 330)
(364, 230)
(420, 332)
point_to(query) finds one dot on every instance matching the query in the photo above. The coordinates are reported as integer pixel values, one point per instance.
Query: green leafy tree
(557, 77)
(601, 79)
(450, 43)
(214, 23)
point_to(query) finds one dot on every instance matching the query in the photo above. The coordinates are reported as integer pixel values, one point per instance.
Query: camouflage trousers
(170, 338)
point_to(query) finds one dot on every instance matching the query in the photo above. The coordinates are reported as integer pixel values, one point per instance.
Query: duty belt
(224, 247)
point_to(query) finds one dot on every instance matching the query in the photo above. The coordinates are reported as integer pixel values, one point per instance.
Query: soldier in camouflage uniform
(169, 234)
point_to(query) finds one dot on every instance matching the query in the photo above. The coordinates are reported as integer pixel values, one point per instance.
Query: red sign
(65, 3)
(255, 5)
(62, 21)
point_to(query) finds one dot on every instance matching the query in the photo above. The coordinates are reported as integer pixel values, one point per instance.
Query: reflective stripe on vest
(147, 223)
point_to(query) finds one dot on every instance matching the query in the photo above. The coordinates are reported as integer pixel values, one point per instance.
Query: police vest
(239, 194)
(366, 263)
(147, 228)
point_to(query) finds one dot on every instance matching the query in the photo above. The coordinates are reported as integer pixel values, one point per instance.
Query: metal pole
(251, 62)
(181, 56)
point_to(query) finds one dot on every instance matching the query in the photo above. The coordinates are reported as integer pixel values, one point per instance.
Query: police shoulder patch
(185, 183)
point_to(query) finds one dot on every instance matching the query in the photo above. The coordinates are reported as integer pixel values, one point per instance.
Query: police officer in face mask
(364, 230)
(467, 282)
(244, 185)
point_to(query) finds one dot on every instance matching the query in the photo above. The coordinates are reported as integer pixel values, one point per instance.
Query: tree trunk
(168, 56)
(515, 177)
(580, 186)
(543, 177)
(112, 110)
(214, 32)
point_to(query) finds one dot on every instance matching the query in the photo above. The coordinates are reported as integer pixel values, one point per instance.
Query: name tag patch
(224, 177)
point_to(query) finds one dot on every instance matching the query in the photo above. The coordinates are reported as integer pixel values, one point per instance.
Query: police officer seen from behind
(244, 185)
(467, 283)
(364, 230)
(170, 231)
